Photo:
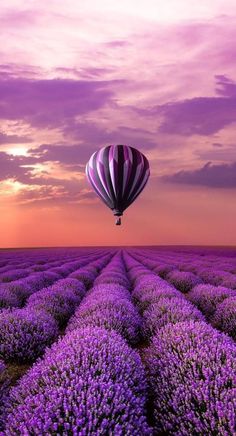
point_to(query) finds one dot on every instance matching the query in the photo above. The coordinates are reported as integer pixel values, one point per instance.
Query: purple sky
(159, 76)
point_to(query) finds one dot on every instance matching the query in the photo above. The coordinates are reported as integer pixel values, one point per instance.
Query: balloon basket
(118, 221)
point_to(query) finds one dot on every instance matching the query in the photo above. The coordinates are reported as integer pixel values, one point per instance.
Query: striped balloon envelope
(118, 174)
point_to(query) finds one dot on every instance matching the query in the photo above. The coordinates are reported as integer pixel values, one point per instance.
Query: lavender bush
(8, 298)
(184, 281)
(4, 387)
(27, 286)
(109, 277)
(229, 282)
(24, 334)
(21, 289)
(192, 377)
(86, 383)
(207, 297)
(212, 276)
(85, 276)
(163, 270)
(90, 382)
(14, 274)
(106, 291)
(225, 317)
(58, 302)
(151, 292)
(75, 285)
(168, 310)
(111, 314)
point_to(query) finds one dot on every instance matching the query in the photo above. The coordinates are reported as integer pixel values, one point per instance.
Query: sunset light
(157, 76)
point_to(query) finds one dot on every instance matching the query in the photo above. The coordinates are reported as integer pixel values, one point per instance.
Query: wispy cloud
(213, 176)
(49, 103)
(13, 139)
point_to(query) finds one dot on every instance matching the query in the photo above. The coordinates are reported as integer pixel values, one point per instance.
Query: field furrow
(117, 342)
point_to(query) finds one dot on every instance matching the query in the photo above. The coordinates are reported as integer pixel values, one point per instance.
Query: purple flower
(8, 298)
(4, 388)
(90, 382)
(212, 276)
(20, 288)
(58, 302)
(24, 334)
(118, 315)
(191, 368)
(106, 290)
(229, 282)
(108, 306)
(112, 277)
(184, 281)
(207, 297)
(168, 310)
(225, 316)
(150, 292)
(14, 274)
(25, 287)
(85, 276)
(75, 285)
(163, 269)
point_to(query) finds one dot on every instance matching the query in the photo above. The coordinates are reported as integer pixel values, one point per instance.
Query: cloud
(12, 18)
(56, 191)
(13, 139)
(84, 73)
(198, 115)
(90, 138)
(11, 167)
(222, 153)
(212, 176)
(97, 136)
(50, 103)
(117, 43)
(41, 186)
(13, 70)
(227, 87)
(217, 144)
(63, 153)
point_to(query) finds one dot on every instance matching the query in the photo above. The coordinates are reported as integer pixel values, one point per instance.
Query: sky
(76, 76)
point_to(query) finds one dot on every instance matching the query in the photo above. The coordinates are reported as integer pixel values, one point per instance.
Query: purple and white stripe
(118, 174)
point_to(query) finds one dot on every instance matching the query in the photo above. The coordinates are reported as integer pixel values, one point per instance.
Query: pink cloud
(212, 176)
(13, 139)
(143, 75)
(51, 102)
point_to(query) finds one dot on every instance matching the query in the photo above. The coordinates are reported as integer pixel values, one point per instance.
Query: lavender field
(110, 341)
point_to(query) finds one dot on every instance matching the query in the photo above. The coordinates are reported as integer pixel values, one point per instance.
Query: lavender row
(19, 269)
(212, 272)
(158, 302)
(15, 293)
(91, 381)
(108, 304)
(25, 333)
(190, 260)
(4, 389)
(42, 256)
(190, 366)
(191, 371)
(217, 303)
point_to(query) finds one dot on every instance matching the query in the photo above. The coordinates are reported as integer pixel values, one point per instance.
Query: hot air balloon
(118, 173)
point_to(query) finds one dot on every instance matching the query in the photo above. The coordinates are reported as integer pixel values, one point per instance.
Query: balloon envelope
(118, 174)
